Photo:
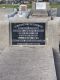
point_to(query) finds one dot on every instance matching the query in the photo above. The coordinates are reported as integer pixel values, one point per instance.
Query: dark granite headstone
(28, 33)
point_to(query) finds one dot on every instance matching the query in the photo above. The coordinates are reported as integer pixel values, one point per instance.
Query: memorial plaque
(40, 5)
(28, 33)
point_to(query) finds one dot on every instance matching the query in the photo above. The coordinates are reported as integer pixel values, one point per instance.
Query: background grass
(52, 5)
(9, 5)
(55, 5)
(13, 6)
(29, 5)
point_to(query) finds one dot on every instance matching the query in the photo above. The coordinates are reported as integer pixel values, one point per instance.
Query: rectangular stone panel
(28, 33)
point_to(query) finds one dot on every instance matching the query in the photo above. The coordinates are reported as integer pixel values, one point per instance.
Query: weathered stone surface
(6, 10)
(41, 13)
(53, 32)
(27, 63)
(4, 33)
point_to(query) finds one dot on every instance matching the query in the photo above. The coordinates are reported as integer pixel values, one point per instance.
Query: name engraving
(28, 33)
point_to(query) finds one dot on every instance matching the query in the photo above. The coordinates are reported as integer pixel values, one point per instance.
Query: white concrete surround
(4, 33)
(52, 38)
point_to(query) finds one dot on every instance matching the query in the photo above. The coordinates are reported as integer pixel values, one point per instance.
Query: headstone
(40, 9)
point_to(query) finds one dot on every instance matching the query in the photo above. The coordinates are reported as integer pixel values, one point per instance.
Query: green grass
(13, 6)
(9, 5)
(29, 5)
(55, 5)
(52, 5)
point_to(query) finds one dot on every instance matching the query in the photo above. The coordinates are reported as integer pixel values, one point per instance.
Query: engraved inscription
(28, 33)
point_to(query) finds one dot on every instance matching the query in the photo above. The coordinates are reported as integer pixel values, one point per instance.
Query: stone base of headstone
(41, 13)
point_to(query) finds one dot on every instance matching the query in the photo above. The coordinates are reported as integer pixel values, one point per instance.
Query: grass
(29, 5)
(13, 6)
(55, 5)
(52, 5)
(9, 5)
